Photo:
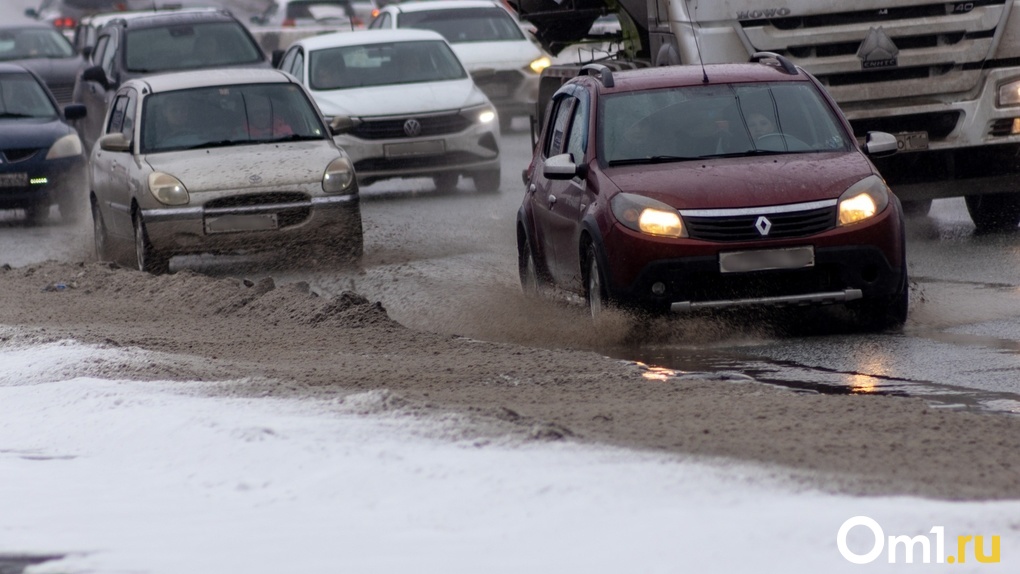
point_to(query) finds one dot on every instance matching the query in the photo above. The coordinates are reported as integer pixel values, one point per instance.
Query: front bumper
(49, 182)
(322, 220)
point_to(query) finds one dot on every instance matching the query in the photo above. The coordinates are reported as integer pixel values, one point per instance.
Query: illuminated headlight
(647, 215)
(486, 116)
(67, 146)
(1009, 94)
(339, 176)
(540, 64)
(863, 200)
(168, 189)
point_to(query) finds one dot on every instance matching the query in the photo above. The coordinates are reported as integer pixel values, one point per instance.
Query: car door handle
(552, 200)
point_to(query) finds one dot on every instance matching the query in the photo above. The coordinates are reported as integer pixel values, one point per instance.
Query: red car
(680, 188)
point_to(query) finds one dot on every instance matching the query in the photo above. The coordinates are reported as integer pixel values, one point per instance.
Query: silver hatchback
(220, 161)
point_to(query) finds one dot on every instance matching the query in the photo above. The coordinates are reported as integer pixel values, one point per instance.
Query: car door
(551, 218)
(96, 94)
(114, 174)
(572, 196)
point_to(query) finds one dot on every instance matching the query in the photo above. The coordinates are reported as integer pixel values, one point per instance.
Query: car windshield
(189, 46)
(228, 115)
(465, 24)
(383, 64)
(22, 97)
(717, 121)
(27, 43)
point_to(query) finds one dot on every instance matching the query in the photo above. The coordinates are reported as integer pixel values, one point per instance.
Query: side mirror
(96, 74)
(563, 167)
(880, 144)
(115, 142)
(75, 112)
(31, 13)
(340, 125)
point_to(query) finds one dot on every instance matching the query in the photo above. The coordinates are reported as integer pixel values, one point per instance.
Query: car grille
(782, 225)
(393, 128)
(291, 215)
(62, 92)
(18, 154)
(937, 124)
(498, 85)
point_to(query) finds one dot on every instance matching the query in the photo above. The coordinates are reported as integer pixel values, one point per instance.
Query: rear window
(26, 43)
(383, 64)
(189, 46)
(22, 97)
(465, 24)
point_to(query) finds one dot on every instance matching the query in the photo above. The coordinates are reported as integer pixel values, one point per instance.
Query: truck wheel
(994, 211)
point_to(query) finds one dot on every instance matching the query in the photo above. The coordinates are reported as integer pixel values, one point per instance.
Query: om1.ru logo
(911, 544)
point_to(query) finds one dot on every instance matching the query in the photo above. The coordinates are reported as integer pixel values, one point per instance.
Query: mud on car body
(680, 188)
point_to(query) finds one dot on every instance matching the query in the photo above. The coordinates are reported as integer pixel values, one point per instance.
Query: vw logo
(763, 225)
(412, 128)
(255, 178)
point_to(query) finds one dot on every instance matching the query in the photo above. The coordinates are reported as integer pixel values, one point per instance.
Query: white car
(401, 104)
(217, 161)
(489, 41)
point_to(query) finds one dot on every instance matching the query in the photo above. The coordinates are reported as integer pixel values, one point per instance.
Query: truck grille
(742, 227)
(393, 128)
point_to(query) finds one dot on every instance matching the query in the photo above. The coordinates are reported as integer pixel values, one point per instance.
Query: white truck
(944, 77)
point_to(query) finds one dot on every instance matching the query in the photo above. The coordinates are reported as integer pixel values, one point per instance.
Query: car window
(560, 121)
(189, 46)
(297, 67)
(117, 114)
(383, 21)
(718, 120)
(319, 10)
(577, 142)
(465, 24)
(107, 61)
(228, 115)
(22, 96)
(24, 43)
(99, 53)
(383, 64)
(287, 62)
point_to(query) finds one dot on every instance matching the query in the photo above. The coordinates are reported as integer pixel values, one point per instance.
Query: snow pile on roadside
(123, 475)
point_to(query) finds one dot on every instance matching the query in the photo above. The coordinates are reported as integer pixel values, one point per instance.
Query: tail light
(65, 23)
(288, 23)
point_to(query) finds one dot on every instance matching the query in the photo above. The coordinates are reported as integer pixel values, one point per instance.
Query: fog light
(38, 181)
(1016, 126)
(658, 288)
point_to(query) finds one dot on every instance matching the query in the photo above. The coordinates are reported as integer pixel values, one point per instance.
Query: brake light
(65, 23)
(289, 23)
(375, 12)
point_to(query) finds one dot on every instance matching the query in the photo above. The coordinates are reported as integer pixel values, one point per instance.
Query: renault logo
(877, 50)
(763, 225)
(412, 128)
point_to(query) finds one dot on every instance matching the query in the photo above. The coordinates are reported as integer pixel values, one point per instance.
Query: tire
(994, 212)
(527, 270)
(101, 238)
(487, 181)
(148, 258)
(594, 287)
(917, 207)
(446, 181)
(886, 312)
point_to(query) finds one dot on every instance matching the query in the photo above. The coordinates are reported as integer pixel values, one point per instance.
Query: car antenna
(697, 44)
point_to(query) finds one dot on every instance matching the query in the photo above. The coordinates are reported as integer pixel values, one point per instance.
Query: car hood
(400, 100)
(745, 182)
(53, 70)
(31, 132)
(496, 55)
(237, 167)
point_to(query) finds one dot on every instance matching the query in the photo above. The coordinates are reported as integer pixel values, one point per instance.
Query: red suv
(680, 188)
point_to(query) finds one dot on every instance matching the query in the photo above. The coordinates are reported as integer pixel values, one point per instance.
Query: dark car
(676, 188)
(45, 51)
(41, 159)
(142, 44)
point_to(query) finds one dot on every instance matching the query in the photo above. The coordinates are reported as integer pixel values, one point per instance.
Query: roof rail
(776, 60)
(604, 74)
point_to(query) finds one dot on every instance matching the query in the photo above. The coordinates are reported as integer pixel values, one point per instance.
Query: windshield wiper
(652, 159)
(294, 138)
(219, 143)
(14, 115)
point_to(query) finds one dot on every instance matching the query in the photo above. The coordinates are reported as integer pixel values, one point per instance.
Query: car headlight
(540, 64)
(863, 200)
(168, 189)
(647, 215)
(1009, 94)
(339, 176)
(67, 146)
(484, 114)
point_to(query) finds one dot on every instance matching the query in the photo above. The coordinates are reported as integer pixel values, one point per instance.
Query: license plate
(431, 147)
(766, 259)
(912, 141)
(13, 179)
(234, 223)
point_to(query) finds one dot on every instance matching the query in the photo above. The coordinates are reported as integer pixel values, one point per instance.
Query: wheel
(595, 290)
(917, 207)
(487, 181)
(100, 238)
(527, 270)
(994, 212)
(886, 312)
(446, 180)
(149, 259)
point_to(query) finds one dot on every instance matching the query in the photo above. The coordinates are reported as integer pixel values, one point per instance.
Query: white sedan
(402, 105)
